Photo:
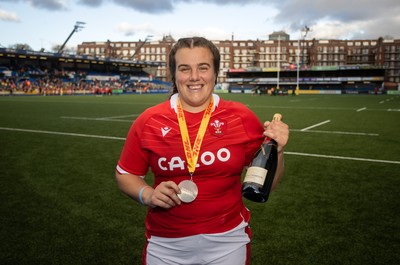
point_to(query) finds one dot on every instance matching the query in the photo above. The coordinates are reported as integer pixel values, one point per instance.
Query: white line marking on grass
(121, 116)
(315, 125)
(393, 110)
(361, 109)
(63, 133)
(344, 158)
(123, 139)
(95, 119)
(336, 132)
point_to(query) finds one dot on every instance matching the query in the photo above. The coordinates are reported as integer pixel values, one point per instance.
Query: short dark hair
(192, 43)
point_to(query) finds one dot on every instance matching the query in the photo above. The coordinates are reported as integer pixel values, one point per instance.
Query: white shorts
(228, 248)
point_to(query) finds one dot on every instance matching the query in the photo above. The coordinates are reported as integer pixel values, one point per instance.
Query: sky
(46, 23)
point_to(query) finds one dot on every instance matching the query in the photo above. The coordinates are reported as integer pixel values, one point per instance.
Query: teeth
(195, 87)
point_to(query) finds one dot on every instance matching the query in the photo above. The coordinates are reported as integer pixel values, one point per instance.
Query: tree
(388, 37)
(21, 46)
(67, 50)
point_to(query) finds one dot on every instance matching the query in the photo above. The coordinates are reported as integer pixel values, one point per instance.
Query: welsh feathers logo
(218, 127)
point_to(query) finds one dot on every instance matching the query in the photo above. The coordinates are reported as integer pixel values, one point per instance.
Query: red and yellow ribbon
(192, 154)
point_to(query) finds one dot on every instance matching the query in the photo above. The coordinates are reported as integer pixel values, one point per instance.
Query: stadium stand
(40, 73)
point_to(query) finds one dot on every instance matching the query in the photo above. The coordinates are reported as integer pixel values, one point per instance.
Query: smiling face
(195, 77)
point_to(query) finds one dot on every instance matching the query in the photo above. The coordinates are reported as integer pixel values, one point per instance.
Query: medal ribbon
(192, 154)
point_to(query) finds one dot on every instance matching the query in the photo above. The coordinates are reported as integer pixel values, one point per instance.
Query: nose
(194, 75)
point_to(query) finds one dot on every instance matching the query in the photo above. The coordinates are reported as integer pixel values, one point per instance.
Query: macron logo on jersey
(165, 130)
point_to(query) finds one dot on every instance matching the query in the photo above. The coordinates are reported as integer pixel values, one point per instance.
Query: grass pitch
(338, 202)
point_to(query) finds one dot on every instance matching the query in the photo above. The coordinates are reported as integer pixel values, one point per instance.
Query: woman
(197, 145)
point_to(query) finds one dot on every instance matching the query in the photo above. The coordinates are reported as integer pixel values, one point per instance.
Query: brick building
(277, 50)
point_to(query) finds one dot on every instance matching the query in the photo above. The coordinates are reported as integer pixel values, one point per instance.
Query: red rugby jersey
(233, 135)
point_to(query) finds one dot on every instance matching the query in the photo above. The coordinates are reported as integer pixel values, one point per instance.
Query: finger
(175, 190)
(172, 195)
(278, 131)
(165, 195)
(164, 202)
(172, 185)
(266, 124)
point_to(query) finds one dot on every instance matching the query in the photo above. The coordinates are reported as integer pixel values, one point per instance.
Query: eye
(204, 68)
(184, 69)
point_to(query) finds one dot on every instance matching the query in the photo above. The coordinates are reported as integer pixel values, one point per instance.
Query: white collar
(174, 98)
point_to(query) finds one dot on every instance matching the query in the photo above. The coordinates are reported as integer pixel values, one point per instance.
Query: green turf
(60, 203)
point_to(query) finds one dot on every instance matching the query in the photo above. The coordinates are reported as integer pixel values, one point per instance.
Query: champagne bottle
(260, 175)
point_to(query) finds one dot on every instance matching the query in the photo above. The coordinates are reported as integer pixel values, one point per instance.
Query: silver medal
(189, 191)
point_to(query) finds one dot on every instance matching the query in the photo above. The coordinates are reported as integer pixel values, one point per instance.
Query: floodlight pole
(148, 37)
(279, 61)
(77, 27)
(305, 30)
(297, 64)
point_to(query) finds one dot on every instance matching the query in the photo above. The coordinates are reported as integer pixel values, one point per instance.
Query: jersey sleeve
(134, 159)
(254, 130)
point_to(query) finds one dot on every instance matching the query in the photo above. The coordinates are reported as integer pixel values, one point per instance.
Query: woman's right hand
(164, 195)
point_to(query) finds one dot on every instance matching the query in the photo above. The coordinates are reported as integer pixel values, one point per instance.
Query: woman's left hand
(279, 131)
